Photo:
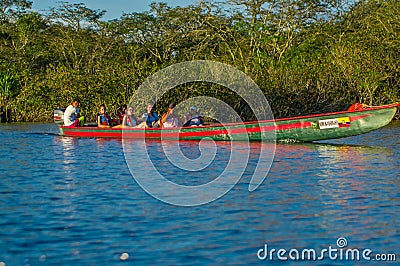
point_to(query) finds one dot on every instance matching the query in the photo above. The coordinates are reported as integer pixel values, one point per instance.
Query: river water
(73, 201)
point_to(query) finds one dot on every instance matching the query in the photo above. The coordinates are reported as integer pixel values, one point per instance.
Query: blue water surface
(73, 201)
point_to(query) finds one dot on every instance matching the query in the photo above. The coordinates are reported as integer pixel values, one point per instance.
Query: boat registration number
(328, 123)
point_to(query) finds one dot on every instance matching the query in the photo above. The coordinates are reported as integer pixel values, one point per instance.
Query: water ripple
(72, 201)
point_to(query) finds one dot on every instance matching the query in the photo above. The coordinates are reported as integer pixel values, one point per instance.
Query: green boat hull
(302, 129)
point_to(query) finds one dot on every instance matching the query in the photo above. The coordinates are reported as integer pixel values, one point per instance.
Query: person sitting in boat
(150, 118)
(119, 117)
(193, 118)
(169, 119)
(72, 116)
(103, 119)
(129, 120)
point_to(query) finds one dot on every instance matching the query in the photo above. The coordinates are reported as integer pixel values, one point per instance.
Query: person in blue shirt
(150, 117)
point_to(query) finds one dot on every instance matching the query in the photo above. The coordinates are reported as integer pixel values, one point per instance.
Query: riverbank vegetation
(306, 56)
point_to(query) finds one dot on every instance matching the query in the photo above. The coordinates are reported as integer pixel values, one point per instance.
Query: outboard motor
(58, 117)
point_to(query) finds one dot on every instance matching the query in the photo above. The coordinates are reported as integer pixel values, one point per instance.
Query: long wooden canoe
(303, 128)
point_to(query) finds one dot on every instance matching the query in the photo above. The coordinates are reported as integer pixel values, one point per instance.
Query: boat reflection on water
(68, 155)
(328, 163)
(329, 158)
(332, 182)
(208, 167)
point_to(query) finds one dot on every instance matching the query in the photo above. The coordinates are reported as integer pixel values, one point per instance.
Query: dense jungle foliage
(306, 56)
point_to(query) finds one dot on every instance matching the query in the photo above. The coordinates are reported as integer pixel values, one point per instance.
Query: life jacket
(194, 121)
(356, 107)
(105, 120)
(120, 117)
(130, 122)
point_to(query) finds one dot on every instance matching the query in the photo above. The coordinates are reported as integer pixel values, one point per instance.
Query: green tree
(9, 88)
(76, 16)
(11, 10)
(307, 56)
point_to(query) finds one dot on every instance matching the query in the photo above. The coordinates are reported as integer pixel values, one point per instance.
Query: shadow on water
(43, 133)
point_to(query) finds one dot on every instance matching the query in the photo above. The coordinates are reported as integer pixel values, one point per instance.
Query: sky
(114, 8)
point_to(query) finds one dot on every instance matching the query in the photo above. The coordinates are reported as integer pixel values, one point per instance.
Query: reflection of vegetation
(306, 56)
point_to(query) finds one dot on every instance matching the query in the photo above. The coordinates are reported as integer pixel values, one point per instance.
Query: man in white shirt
(71, 114)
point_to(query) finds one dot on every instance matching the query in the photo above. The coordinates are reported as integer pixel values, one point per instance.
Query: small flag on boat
(344, 121)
